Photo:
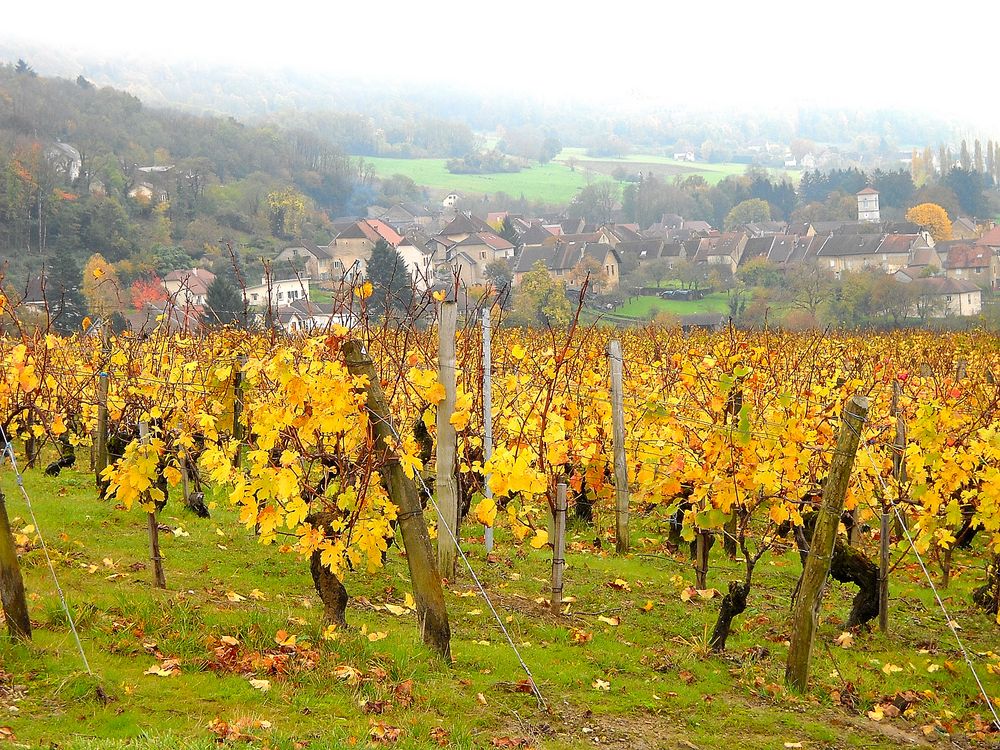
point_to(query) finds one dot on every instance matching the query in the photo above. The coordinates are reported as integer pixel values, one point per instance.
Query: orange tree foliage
(933, 218)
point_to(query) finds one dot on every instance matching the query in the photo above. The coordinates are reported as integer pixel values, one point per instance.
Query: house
(352, 247)
(167, 315)
(405, 216)
(724, 250)
(303, 316)
(991, 239)
(853, 252)
(757, 247)
(65, 160)
(275, 293)
(418, 254)
(462, 226)
(942, 297)
(470, 257)
(315, 261)
(188, 287)
(975, 263)
(964, 228)
(562, 258)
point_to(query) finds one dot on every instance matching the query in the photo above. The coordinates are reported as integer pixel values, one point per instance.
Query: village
(448, 248)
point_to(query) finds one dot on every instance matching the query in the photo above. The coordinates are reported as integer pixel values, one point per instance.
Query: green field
(644, 308)
(556, 182)
(551, 183)
(625, 666)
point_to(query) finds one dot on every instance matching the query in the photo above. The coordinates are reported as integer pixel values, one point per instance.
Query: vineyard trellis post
(618, 443)
(487, 416)
(15, 606)
(101, 438)
(445, 486)
(432, 616)
(159, 579)
(805, 613)
(899, 474)
(241, 361)
(559, 546)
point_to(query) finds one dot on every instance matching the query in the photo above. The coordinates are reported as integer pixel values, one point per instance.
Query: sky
(769, 53)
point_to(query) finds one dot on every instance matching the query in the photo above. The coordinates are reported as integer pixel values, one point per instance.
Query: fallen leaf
(480, 699)
(620, 584)
(261, 685)
(234, 597)
(845, 640)
(891, 668)
(258, 595)
(376, 636)
(600, 684)
(648, 606)
(613, 621)
(395, 609)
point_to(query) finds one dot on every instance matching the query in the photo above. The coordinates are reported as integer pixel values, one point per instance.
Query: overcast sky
(773, 53)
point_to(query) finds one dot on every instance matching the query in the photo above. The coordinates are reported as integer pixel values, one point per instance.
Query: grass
(662, 688)
(643, 308)
(551, 183)
(555, 182)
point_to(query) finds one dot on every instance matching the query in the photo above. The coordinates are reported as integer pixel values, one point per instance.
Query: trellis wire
(9, 450)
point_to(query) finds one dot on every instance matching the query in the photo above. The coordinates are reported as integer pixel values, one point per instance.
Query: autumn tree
(747, 212)
(101, 289)
(286, 209)
(540, 300)
(147, 291)
(933, 218)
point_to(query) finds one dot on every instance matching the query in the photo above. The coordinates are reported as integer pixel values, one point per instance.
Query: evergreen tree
(392, 287)
(964, 158)
(977, 157)
(942, 160)
(223, 303)
(64, 295)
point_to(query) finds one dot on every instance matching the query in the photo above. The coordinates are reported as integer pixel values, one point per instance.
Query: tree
(964, 158)
(596, 202)
(808, 286)
(147, 291)
(499, 274)
(223, 303)
(968, 188)
(63, 296)
(22, 68)
(933, 218)
(977, 157)
(100, 287)
(747, 212)
(392, 287)
(540, 300)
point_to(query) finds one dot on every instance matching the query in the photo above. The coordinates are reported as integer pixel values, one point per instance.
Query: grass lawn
(552, 182)
(645, 307)
(625, 666)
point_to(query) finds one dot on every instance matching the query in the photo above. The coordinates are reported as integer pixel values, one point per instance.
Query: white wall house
(277, 292)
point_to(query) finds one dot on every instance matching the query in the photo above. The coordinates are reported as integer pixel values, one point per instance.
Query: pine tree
(223, 304)
(392, 287)
(942, 160)
(977, 158)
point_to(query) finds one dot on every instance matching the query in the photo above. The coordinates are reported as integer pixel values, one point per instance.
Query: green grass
(664, 690)
(555, 182)
(644, 308)
(551, 183)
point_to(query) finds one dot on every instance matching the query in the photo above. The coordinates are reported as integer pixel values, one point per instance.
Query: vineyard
(240, 530)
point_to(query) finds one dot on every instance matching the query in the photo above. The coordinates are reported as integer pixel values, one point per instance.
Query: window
(281, 295)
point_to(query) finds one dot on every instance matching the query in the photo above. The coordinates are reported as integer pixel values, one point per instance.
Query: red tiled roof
(968, 256)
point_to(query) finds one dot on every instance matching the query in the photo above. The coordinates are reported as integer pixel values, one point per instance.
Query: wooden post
(701, 560)
(618, 443)
(159, 579)
(883, 573)
(15, 605)
(805, 614)
(432, 617)
(445, 485)
(899, 453)
(559, 547)
(241, 360)
(487, 415)
(101, 438)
